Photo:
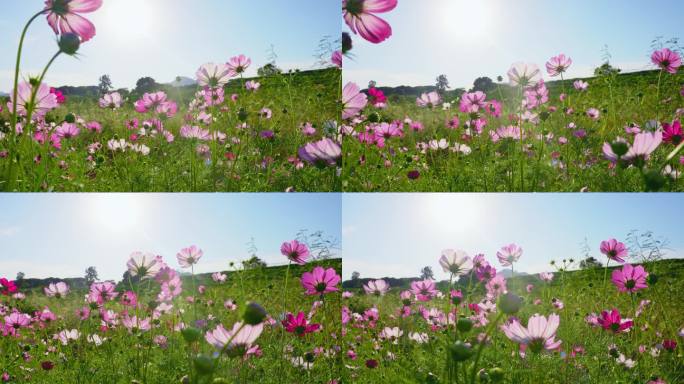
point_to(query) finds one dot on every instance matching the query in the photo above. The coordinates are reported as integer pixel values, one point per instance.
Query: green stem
(492, 325)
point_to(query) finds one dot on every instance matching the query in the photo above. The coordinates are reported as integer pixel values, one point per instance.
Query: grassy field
(109, 351)
(404, 147)
(587, 354)
(257, 138)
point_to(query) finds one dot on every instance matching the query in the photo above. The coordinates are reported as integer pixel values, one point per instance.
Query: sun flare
(475, 20)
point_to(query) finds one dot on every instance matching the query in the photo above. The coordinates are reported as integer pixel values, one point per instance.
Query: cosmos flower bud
(346, 42)
(204, 364)
(464, 324)
(460, 351)
(510, 303)
(242, 114)
(69, 43)
(619, 148)
(496, 374)
(374, 117)
(254, 314)
(70, 118)
(191, 335)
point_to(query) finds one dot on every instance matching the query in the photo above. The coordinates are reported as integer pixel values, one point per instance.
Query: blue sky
(465, 39)
(61, 235)
(167, 38)
(398, 234)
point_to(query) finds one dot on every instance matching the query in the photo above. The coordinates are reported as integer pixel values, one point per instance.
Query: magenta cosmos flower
(509, 254)
(213, 75)
(672, 133)
(336, 58)
(63, 16)
(430, 99)
(612, 321)
(359, 16)
(238, 65)
(353, 100)
(187, 257)
(299, 325)
(630, 279)
(295, 251)
(558, 64)
(424, 290)
(524, 74)
(320, 281)
(57, 290)
(614, 250)
(43, 102)
(667, 60)
(539, 335)
(236, 342)
(321, 153)
(111, 100)
(7, 286)
(376, 287)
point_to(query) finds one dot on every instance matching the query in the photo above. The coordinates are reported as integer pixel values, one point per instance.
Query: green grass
(582, 292)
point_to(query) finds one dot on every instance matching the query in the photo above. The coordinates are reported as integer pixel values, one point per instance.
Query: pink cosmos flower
(376, 97)
(496, 286)
(580, 85)
(299, 325)
(111, 100)
(236, 342)
(66, 335)
(213, 75)
(195, 132)
(59, 95)
(102, 292)
(67, 130)
(187, 257)
(471, 102)
(360, 17)
(593, 113)
(376, 287)
(238, 65)
(524, 75)
(614, 322)
(219, 277)
(644, 144)
(308, 129)
(64, 17)
(558, 64)
(430, 100)
(295, 251)
(320, 281)
(151, 101)
(145, 265)
(15, 321)
(7, 286)
(539, 335)
(43, 102)
(57, 290)
(493, 108)
(134, 323)
(321, 153)
(252, 85)
(508, 132)
(630, 279)
(424, 290)
(353, 100)
(614, 250)
(336, 58)
(509, 254)
(456, 262)
(667, 60)
(672, 133)
(546, 276)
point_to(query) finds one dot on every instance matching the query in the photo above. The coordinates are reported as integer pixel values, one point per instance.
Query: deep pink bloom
(376, 97)
(558, 64)
(102, 292)
(667, 60)
(320, 281)
(7, 286)
(67, 130)
(353, 100)
(295, 251)
(493, 108)
(672, 133)
(630, 279)
(424, 290)
(321, 153)
(63, 16)
(59, 95)
(299, 325)
(472, 102)
(614, 322)
(359, 16)
(669, 345)
(614, 250)
(44, 100)
(337, 58)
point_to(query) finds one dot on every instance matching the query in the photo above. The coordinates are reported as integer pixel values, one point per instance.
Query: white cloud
(9, 230)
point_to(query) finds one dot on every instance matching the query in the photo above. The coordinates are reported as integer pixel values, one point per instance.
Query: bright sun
(467, 19)
(116, 213)
(130, 20)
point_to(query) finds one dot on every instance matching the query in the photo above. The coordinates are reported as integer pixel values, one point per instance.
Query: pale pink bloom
(580, 85)
(43, 103)
(424, 290)
(391, 334)
(496, 286)
(102, 292)
(524, 75)
(111, 100)
(238, 64)
(546, 276)
(66, 335)
(187, 257)
(376, 287)
(238, 340)
(508, 132)
(666, 60)
(219, 277)
(353, 100)
(360, 17)
(471, 102)
(438, 144)
(529, 288)
(323, 152)
(540, 333)
(57, 290)
(308, 129)
(67, 130)
(252, 85)
(593, 113)
(430, 99)
(63, 16)
(195, 132)
(213, 75)
(558, 64)
(117, 145)
(509, 254)
(644, 144)
(230, 305)
(134, 323)
(456, 262)
(145, 265)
